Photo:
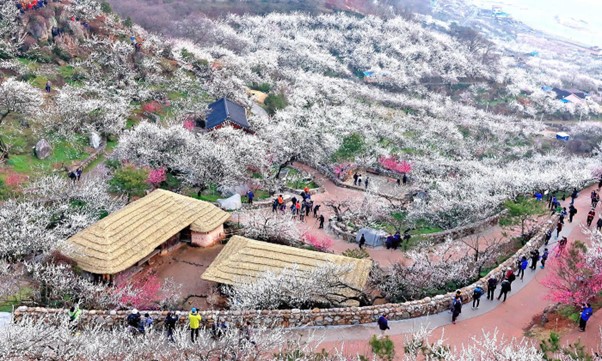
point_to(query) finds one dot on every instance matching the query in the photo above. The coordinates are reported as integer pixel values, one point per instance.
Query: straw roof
(243, 259)
(127, 236)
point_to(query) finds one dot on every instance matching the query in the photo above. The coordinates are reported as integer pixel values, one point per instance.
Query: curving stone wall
(304, 318)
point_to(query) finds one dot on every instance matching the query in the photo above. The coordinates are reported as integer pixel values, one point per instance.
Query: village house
(146, 228)
(225, 112)
(243, 260)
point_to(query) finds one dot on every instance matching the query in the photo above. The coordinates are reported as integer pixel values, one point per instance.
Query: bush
(383, 348)
(263, 87)
(275, 102)
(106, 8)
(61, 53)
(352, 146)
(356, 253)
(130, 180)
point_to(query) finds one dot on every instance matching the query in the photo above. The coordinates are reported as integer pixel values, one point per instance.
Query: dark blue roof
(225, 110)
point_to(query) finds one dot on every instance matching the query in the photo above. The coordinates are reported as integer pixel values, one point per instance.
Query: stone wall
(303, 318)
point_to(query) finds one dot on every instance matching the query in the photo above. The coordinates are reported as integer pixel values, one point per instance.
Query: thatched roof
(127, 236)
(244, 258)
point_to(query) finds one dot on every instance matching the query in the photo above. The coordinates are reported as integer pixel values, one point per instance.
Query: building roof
(244, 258)
(127, 236)
(225, 110)
(573, 99)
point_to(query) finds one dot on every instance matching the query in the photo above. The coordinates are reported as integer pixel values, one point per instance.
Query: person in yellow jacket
(194, 320)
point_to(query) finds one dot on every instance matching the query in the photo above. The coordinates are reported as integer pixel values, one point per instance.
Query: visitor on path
(595, 198)
(398, 181)
(563, 214)
(574, 196)
(456, 308)
(74, 313)
(298, 210)
(491, 286)
(534, 259)
(505, 287)
(250, 196)
(308, 206)
(572, 212)
(383, 324)
(590, 217)
(586, 313)
(548, 236)
(561, 246)
(219, 328)
(544, 258)
(194, 321)
(558, 228)
(78, 173)
(170, 325)
(294, 200)
(316, 209)
(135, 322)
(599, 224)
(281, 204)
(524, 263)
(359, 180)
(476, 296)
(362, 241)
(275, 205)
(148, 321)
(366, 182)
(247, 334)
(321, 219)
(48, 87)
(538, 196)
(72, 176)
(405, 179)
(552, 203)
(355, 177)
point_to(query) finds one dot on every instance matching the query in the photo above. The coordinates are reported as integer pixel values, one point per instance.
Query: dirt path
(510, 318)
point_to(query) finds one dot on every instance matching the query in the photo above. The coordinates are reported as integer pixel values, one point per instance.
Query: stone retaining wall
(304, 318)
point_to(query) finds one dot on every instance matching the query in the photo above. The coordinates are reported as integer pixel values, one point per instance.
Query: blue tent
(374, 237)
(562, 136)
(369, 73)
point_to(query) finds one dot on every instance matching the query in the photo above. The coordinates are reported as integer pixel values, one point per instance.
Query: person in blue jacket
(586, 313)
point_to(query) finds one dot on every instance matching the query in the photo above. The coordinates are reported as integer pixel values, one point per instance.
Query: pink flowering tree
(157, 176)
(322, 244)
(393, 164)
(188, 124)
(576, 275)
(342, 170)
(142, 293)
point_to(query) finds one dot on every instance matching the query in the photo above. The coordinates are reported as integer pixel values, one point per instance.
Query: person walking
(599, 224)
(383, 324)
(170, 325)
(491, 286)
(548, 236)
(590, 217)
(366, 182)
(321, 219)
(355, 177)
(534, 259)
(574, 196)
(404, 179)
(544, 258)
(558, 228)
(524, 263)
(275, 205)
(316, 209)
(552, 203)
(148, 322)
(135, 322)
(563, 214)
(505, 287)
(572, 212)
(48, 87)
(78, 174)
(250, 196)
(586, 313)
(362, 241)
(561, 246)
(194, 321)
(476, 296)
(359, 180)
(74, 313)
(456, 308)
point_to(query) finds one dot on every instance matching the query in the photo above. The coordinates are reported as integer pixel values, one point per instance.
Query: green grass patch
(16, 299)
(63, 154)
(39, 81)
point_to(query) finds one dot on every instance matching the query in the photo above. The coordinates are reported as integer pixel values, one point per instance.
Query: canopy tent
(374, 237)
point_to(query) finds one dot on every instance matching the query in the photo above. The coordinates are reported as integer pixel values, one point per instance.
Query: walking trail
(510, 318)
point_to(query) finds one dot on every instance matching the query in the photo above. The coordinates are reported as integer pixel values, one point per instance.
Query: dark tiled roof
(225, 110)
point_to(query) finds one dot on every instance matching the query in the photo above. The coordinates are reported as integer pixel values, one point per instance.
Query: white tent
(230, 203)
(374, 237)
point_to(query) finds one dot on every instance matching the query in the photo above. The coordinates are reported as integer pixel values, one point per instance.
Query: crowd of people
(25, 5)
(300, 208)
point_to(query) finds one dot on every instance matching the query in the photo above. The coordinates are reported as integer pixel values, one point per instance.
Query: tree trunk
(284, 165)
(3, 151)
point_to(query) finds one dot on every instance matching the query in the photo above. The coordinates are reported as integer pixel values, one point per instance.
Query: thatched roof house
(124, 238)
(243, 259)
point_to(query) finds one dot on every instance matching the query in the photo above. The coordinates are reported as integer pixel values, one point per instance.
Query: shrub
(356, 253)
(383, 348)
(275, 102)
(129, 180)
(263, 87)
(351, 147)
(61, 53)
(106, 8)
